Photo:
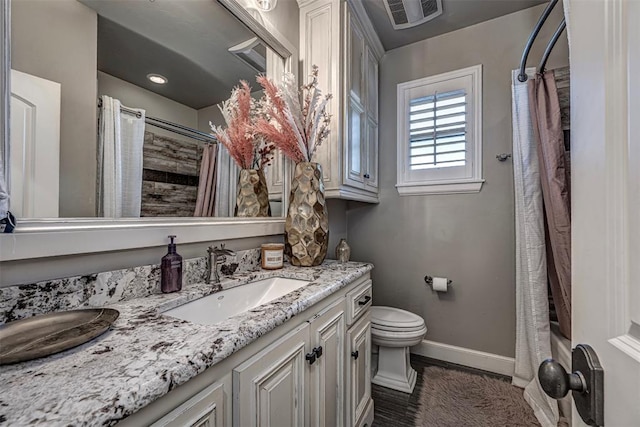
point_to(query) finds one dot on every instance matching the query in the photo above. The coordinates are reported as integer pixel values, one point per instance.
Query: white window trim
(471, 184)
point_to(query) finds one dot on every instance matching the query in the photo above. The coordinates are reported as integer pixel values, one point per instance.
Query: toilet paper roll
(440, 284)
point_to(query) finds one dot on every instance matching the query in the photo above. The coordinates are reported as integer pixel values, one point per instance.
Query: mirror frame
(38, 238)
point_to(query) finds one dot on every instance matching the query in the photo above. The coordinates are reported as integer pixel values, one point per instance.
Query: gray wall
(155, 105)
(470, 237)
(337, 224)
(57, 40)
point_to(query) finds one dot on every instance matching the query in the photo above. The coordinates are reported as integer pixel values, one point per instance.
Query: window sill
(440, 187)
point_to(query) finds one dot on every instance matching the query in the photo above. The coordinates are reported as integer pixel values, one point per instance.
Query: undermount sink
(220, 306)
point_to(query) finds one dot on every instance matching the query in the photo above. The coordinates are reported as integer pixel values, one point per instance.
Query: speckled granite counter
(147, 354)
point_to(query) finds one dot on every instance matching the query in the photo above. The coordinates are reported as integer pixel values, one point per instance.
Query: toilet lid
(392, 319)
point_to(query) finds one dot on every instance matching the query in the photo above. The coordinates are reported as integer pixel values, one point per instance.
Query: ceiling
(456, 14)
(187, 42)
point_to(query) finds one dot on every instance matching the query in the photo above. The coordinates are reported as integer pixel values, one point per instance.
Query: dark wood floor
(397, 409)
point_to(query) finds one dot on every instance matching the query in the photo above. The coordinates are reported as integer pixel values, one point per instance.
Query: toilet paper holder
(429, 281)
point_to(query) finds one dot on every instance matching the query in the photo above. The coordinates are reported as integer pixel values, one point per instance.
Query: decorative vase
(343, 251)
(253, 196)
(306, 230)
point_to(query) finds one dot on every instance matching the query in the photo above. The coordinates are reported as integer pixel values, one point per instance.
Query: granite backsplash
(100, 289)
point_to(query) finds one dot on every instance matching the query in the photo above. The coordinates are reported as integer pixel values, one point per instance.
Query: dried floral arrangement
(248, 149)
(296, 129)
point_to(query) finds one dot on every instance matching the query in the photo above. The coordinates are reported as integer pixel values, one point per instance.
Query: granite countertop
(146, 354)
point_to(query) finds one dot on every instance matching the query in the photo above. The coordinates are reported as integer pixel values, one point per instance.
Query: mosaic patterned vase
(306, 231)
(253, 196)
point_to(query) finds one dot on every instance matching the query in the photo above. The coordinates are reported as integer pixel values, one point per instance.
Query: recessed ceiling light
(157, 78)
(266, 5)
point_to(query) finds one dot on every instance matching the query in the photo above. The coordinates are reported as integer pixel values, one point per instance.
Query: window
(440, 133)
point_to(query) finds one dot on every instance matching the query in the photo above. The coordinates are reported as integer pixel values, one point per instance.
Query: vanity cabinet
(359, 373)
(327, 386)
(299, 379)
(269, 389)
(205, 409)
(337, 36)
(313, 370)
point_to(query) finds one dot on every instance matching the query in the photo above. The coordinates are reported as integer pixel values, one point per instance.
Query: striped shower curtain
(120, 143)
(533, 343)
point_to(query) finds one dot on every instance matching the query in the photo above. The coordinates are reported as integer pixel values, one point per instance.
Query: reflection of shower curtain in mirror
(205, 202)
(120, 142)
(227, 175)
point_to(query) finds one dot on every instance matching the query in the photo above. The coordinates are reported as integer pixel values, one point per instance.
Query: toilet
(394, 331)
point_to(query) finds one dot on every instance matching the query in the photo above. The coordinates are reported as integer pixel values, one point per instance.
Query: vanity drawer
(358, 301)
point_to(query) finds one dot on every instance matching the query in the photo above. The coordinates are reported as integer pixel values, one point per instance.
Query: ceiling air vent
(409, 13)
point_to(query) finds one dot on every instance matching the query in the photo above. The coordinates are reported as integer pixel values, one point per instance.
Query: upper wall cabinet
(337, 36)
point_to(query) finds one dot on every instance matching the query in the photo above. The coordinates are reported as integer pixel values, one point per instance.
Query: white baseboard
(466, 357)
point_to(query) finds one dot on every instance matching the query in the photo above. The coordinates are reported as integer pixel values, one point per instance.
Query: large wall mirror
(111, 103)
(78, 50)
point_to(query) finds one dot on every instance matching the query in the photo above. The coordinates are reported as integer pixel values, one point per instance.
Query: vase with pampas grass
(249, 150)
(297, 123)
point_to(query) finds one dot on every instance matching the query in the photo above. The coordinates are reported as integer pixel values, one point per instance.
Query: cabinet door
(327, 373)
(269, 389)
(205, 409)
(372, 84)
(355, 58)
(371, 156)
(358, 370)
(354, 153)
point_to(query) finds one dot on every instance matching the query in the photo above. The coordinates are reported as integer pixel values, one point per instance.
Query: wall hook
(503, 157)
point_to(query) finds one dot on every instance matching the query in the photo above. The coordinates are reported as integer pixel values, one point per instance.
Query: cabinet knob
(355, 354)
(365, 301)
(318, 351)
(367, 176)
(310, 357)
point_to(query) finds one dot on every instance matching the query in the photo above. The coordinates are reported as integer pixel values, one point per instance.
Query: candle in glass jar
(272, 256)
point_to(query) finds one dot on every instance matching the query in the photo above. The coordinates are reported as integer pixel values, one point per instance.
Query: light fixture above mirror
(266, 5)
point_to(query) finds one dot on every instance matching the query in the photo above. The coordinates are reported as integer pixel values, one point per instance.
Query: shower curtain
(206, 199)
(532, 307)
(226, 183)
(554, 169)
(120, 142)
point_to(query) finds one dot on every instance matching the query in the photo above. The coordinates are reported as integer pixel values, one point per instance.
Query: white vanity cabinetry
(205, 409)
(298, 380)
(314, 370)
(337, 36)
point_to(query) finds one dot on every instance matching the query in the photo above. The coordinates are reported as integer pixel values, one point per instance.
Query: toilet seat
(395, 320)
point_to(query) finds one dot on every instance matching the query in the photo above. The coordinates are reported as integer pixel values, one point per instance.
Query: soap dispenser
(171, 270)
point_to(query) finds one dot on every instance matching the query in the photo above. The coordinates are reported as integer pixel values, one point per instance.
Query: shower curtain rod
(170, 126)
(522, 77)
(552, 43)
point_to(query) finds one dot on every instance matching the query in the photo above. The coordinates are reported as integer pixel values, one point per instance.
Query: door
(269, 389)
(35, 146)
(205, 409)
(605, 162)
(355, 155)
(358, 370)
(326, 399)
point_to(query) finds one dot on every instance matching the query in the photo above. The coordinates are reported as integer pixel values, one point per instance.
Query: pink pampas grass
(247, 149)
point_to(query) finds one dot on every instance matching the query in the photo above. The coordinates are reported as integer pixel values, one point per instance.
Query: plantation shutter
(438, 130)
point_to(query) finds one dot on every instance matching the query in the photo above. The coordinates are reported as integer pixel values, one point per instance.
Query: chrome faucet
(215, 257)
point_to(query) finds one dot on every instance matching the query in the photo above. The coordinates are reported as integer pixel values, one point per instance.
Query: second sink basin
(220, 306)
